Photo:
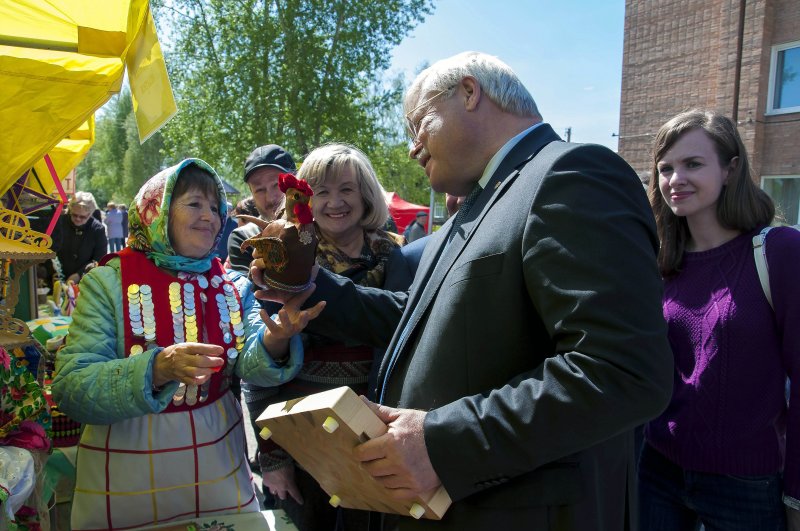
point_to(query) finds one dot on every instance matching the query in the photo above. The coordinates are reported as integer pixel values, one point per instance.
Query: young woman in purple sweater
(726, 451)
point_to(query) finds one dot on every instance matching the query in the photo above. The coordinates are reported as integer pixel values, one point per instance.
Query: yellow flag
(151, 93)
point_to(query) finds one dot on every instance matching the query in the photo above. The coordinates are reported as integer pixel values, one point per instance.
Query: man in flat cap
(418, 227)
(261, 170)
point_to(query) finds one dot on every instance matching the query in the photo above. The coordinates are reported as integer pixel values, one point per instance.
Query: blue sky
(568, 54)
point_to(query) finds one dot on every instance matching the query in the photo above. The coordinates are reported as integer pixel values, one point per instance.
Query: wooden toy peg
(417, 511)
(330, 425)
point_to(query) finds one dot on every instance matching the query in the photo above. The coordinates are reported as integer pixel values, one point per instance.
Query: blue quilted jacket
(96, 384)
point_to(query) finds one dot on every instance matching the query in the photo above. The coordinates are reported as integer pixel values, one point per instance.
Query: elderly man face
(443, 138)
(263, 183)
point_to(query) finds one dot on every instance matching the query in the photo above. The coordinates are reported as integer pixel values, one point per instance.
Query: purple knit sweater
(728, 413)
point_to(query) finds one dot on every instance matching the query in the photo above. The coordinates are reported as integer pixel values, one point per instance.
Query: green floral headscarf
(148, 220)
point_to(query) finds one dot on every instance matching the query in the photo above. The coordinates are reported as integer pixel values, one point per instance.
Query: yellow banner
(60, 61)
(151, 93)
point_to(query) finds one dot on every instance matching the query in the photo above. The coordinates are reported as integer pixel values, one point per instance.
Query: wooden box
(320, 431)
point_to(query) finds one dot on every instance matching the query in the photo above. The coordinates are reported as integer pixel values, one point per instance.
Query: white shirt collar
(498, 157)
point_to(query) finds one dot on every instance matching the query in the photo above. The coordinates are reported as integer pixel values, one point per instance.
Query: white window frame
(773, 66)
(764, 179)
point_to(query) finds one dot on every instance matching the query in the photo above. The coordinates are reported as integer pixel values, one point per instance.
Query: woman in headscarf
(158, 333)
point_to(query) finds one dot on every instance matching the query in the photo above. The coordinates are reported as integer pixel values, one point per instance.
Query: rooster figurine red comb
(298, 198)
(288, 246)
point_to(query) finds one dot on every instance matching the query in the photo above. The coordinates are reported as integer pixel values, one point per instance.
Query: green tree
(101, 170)
(294, 72)
(117, 165)
(140, 161)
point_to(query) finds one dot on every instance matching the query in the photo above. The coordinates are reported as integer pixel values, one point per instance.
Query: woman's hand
(281, 482)
(267, 293)
(188, 363)
(291, 320)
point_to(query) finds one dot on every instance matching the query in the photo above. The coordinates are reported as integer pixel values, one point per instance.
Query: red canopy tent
(402, 212)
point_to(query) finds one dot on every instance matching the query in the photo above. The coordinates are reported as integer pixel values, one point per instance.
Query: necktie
(462, 213)
(463, 210)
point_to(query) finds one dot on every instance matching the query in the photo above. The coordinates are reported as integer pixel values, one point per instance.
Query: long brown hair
(741, 206)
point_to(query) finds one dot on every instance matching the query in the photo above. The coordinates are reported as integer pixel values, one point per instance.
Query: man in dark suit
(532, 340)
(400, 270)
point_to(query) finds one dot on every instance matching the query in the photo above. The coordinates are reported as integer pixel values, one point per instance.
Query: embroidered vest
(162, 310)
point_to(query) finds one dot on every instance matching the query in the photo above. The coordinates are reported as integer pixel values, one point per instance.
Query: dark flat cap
(270, 155)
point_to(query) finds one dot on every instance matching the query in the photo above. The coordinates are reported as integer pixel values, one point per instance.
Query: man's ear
(472, 92)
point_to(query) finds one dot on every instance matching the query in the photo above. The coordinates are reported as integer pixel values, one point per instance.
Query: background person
(124, 210)
(83, 238)
(158, 333)
(418, 228)
(261, 170)
(532, 341)
(715, 456)
(227, 229)
(246, 206)
(114, 232)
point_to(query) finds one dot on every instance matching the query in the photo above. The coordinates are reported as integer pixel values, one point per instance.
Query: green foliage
(141, 161)
(117, 165)
(293, 72)
(298, 73)
(398, 173)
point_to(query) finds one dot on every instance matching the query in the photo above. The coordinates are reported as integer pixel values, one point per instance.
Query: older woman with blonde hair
(84, 239)
(349, 209)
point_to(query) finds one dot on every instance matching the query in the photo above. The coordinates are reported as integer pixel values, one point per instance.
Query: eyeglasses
(413, 128)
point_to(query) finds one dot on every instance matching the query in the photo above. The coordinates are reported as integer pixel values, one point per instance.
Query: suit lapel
(440, 259)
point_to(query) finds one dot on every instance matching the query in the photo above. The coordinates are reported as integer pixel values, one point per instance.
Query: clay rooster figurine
(288, 245)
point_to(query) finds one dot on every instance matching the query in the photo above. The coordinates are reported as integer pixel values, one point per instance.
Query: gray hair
(84, 200)
(328, 161)
(497, 80)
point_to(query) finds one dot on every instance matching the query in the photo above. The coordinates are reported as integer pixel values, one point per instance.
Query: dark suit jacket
(538, 346)
(400, 270)
(402, 265)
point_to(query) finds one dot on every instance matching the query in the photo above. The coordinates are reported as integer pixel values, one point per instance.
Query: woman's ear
(732, 165)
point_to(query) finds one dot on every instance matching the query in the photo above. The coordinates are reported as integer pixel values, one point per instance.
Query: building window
(784, 79)
(785, 192)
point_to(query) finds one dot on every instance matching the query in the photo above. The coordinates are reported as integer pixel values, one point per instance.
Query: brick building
(738, 57)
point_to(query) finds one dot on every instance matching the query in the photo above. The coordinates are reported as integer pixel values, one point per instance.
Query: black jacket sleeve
(240, 260)
(355, 313)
